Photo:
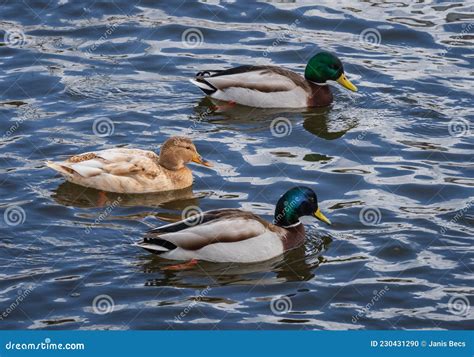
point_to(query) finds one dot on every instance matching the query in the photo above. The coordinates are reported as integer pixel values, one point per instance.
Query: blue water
(392, 164)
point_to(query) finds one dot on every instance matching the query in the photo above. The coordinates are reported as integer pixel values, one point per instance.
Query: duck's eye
(335, 66)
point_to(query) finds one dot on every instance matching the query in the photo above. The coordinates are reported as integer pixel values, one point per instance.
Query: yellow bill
(319, 215)
(198, 160)
(343, 81)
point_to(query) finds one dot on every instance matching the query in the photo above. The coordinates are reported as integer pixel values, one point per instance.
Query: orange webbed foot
(102, 199)
(184, 266)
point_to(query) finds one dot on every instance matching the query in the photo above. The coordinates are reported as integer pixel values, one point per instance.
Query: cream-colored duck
(133, 170)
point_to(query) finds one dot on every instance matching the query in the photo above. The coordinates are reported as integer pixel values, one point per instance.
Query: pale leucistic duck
(133, 171)
(233, 235)
(276, 87)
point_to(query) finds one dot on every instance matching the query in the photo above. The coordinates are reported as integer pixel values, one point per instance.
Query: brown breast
(294, 237)
(321, 96)
(181, 178)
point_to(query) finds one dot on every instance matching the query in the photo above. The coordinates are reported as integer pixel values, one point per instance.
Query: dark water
(392, 164)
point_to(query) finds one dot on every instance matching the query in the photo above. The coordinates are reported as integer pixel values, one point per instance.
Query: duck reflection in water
(69, 194)
(321, 122)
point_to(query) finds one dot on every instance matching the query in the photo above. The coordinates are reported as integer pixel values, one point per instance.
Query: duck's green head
(324, 67)
(295, 203)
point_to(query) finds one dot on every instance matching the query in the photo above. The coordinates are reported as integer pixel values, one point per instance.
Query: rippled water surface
(392, 164)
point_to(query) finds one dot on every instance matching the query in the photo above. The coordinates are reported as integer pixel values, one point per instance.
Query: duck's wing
(111, 170)
(117, 162)
(260, 78)
(209, 228)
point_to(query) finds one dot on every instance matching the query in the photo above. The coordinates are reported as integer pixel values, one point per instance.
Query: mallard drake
(133, 170)
(233, 235)
(275, 87)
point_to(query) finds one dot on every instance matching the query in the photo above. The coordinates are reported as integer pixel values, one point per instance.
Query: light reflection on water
(399, 147)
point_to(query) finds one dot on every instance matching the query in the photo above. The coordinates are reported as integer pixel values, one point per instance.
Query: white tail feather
(57, 167)
(201, 85)
(148, 246)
